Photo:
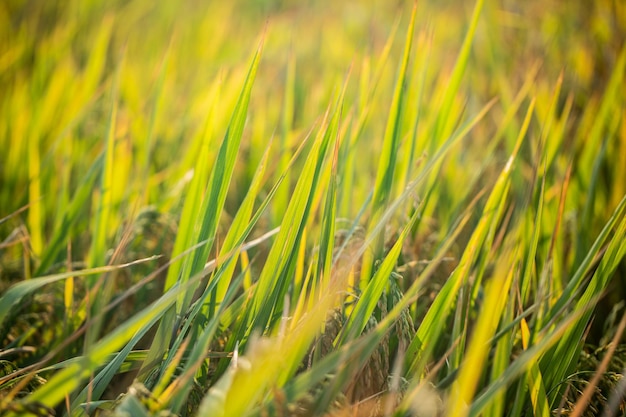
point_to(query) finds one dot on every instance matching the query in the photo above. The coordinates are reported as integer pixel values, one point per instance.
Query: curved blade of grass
(18, 291)
(474, 359)
(249, 385)
(420, 68)
(578, 278)
(444, 121)
(369, 298)
(79, 202)
(98, 385)
(327, 235)
(65, 381)
(527, 272)
(356, 351)
(430, 328)
(207, 216)
(177, 393)
(219, 180)
(502, 355)
(271, 361)
(154, 118)
(237, 231)
(385, 172)
(273, 281)
(282, 196)
(101, 231)
(346, 360)
(214, 402)
(102, 224)
(592, 147)
(193, 197)
(225, 261)
(522, 363)
(564, 355)
(537, 391)
(35, 210)
(367, 94)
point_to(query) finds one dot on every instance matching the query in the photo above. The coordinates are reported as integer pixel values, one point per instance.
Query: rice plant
(316, 208)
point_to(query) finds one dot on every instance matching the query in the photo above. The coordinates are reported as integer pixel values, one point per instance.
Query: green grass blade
(391, 142)
(474, 360)
(327, 235)
(70, 378)
(502, 355)
(273, 281)
(18, 291)
(444, 121)
(219, 180)
(565, 354)
(101, 380)
(282, 196)
(207, 216)
(522, 363)
(239, 230)
(373, 291)
(592, 146)
(430, 327)
(103, 215)
(58, 241)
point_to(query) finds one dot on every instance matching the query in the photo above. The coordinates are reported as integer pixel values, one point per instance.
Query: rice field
(312, 208)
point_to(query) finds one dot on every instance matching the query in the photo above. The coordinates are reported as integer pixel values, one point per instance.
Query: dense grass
(312, 208)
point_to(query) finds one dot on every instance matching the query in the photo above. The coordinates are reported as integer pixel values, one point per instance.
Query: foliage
(312, 208)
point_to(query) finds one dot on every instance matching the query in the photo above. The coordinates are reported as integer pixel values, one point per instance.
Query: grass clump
(312, 208)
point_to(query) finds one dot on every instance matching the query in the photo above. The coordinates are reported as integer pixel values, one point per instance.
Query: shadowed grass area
(316, 208)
